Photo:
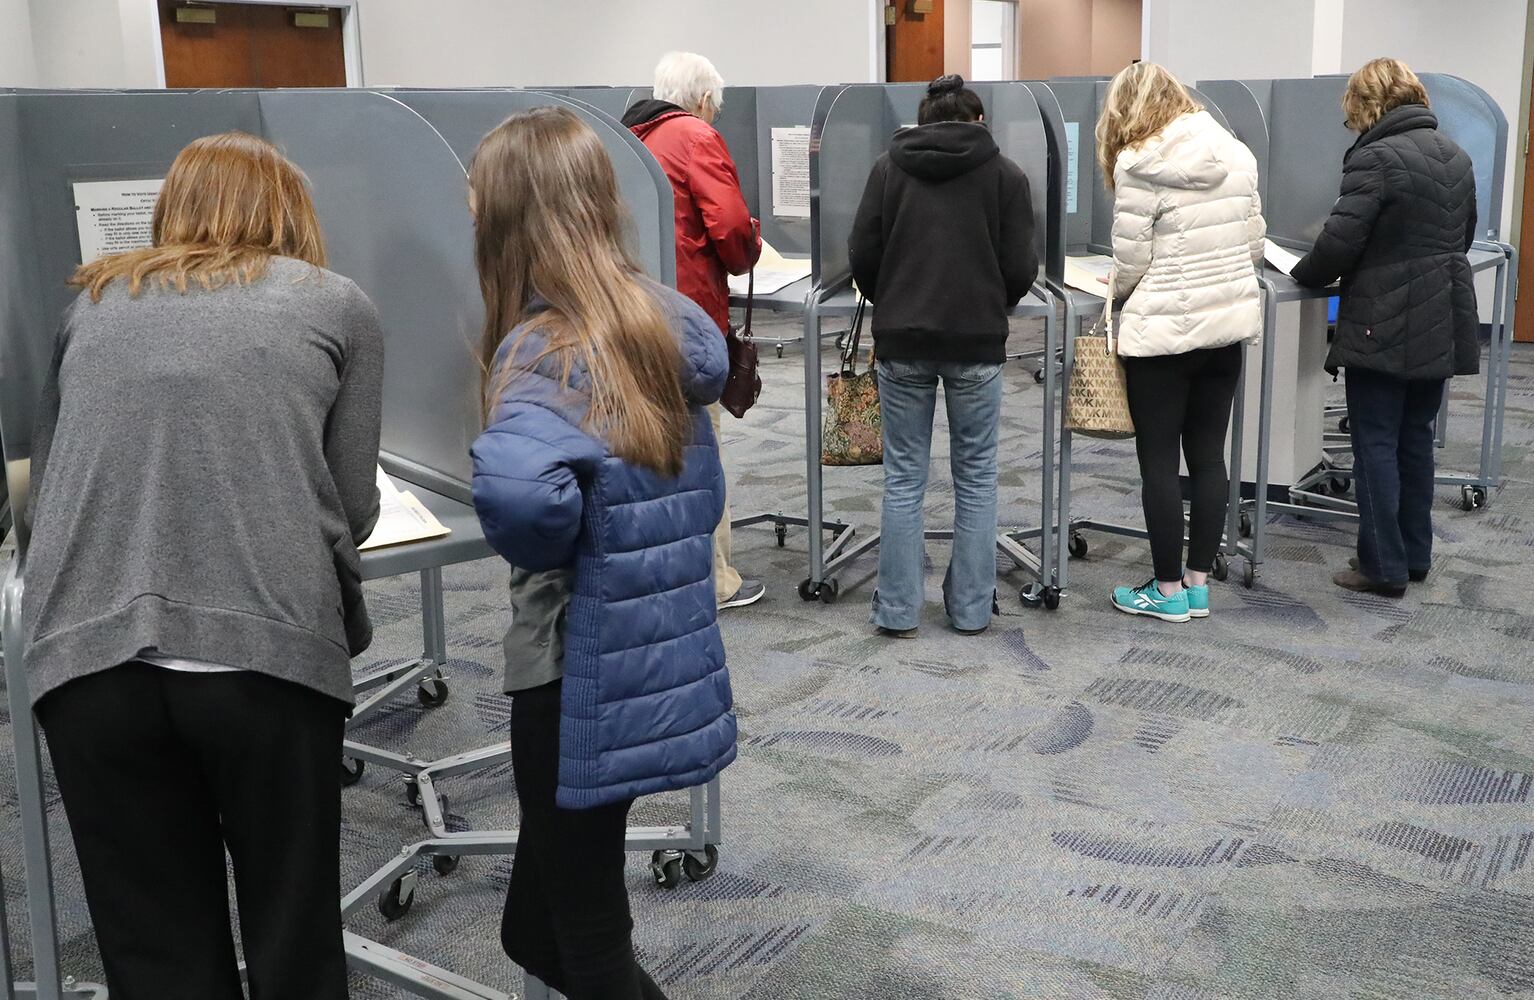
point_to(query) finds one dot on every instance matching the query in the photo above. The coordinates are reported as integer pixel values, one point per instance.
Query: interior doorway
(993, 40)
(252, 44)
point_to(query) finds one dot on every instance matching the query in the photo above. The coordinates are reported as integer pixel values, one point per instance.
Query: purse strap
(750, 302)
(854, 339)
(1107, 320)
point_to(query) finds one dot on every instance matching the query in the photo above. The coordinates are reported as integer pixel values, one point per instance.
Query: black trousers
(1392, 426)
(567, 915)
(1182, 402)
(159, 772)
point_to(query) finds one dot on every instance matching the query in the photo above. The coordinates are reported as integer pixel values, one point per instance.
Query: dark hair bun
(952, 83)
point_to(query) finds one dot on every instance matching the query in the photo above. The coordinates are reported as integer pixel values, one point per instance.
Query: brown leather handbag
(744, 385)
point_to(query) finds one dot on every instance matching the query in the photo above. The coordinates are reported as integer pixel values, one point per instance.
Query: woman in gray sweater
(203, 468)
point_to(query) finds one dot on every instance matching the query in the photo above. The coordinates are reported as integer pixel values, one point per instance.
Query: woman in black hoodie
(943, 246)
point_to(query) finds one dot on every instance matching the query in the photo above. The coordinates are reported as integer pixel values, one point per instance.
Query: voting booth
(853, 126)
(79, 173)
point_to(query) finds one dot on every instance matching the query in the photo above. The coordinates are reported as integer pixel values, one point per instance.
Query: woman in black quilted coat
(1397, 238)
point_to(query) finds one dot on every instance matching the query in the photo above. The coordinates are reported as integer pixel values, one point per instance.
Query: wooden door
(253, 45)
(915, 44)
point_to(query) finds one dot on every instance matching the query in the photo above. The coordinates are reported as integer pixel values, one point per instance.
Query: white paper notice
(114, 216)
(791, 173)
(1072, 149)
(1283, 260)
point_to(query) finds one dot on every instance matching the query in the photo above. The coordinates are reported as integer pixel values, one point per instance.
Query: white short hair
(686, 79)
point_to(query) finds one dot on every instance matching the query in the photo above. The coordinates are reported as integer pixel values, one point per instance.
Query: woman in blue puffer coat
(598, 479)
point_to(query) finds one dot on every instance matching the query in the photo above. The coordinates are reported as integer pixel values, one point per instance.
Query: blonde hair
(1142, 100)
(549, 222)
(230, 203)
(1377, 89)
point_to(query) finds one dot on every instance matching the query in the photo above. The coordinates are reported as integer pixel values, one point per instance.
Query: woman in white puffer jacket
(1187, 240)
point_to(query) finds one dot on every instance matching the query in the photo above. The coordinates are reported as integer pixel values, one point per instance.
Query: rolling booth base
(826, 561)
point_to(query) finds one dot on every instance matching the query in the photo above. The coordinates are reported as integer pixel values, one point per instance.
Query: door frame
(351, 33)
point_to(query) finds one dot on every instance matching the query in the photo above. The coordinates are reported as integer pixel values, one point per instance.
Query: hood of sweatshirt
(649, 113)
(943, 150)
(1193, 153)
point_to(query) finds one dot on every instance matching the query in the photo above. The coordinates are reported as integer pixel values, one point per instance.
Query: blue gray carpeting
(1310, 795)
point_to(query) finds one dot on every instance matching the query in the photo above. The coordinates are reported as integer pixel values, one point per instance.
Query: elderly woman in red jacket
(715, 234)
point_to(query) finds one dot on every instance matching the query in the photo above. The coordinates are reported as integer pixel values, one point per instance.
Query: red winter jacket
(715, 234)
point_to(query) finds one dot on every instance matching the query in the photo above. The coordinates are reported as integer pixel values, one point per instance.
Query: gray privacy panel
(1468, 115)
(392, 198)
(464, 116)
(1246, 118)
(776, 107)
(1053, 225)
(1018, 125)
(737, 125)
(1083, 181)
(611, 101)
(49, 141)
(849, 134)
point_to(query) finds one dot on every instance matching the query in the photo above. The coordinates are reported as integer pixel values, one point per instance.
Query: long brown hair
(231, 202)
(1378, 88)
(1142, 100)
(548, 221)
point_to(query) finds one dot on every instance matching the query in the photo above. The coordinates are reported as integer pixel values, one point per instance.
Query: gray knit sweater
(202, 469)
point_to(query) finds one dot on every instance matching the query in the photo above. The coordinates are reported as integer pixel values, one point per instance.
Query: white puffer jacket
(1187, 239)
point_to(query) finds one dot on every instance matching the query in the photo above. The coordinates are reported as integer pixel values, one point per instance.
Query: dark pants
(159, 772)
(1392, 426)
(1181, 402)
(567, 911)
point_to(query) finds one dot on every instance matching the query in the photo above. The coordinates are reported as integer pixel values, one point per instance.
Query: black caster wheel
(1345, 425)
(666, 866)
(432, 691)
(351, 771)
(413, 793)
(830, 590)
(1051, 598)
(1246, 525)
(780, 350)
(396, 902)
(1038, 377)
(1472, 497)
(1078, 546)
(1032, 596)
(445, 864)
(781, 530)
(1342, 487)
(1249, 576)
(1221, 570)
(697, 869)
(808, 590)
(443, 805)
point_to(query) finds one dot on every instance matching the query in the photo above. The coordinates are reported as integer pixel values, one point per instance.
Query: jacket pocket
(353, 608)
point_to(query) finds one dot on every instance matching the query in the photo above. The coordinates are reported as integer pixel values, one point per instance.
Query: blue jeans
(907, 395)
(1392, 427)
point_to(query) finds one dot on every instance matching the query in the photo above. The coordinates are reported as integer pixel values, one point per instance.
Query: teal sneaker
(1198, 600)
(1151, 602)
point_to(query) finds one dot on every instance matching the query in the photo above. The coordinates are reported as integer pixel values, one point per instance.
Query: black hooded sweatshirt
(943, 245)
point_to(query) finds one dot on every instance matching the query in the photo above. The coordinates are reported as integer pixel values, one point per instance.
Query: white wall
(1222, 39)
(17, 67)
(79, 43)
(542, 42)
(1481, 41)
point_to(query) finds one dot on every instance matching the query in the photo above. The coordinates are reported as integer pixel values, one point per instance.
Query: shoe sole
(1199, 614)
(887, 633)
(746, 603)
(1175, 619)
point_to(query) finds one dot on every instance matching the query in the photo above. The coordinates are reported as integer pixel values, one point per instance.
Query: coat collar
(1406, 118)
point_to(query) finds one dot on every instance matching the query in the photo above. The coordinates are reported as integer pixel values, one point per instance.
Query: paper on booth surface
(1084, 273)
(401, 518)
(774, 272)
(115, 216)
(1281, 259)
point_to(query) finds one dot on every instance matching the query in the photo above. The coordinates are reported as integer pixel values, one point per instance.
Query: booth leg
(815, 584)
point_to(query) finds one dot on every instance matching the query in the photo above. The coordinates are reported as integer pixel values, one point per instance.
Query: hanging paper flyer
(791, 173)
(115, 216)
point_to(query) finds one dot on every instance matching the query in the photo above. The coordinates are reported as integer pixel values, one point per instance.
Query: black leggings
(1183, 400)
(567, 911)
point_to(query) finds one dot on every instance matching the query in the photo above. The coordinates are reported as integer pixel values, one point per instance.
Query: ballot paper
(774, 272)
(401, 518)
(1085, 273)
(1281, 259)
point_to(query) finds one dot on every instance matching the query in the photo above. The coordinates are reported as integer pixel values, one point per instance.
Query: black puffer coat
(1397, 238)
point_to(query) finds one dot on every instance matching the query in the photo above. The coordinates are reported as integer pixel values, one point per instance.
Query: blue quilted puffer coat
(646, 698)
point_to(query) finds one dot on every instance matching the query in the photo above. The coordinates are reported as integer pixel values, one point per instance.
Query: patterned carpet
(1310, 795)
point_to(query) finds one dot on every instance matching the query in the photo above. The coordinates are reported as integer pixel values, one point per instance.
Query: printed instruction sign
(1072, 149)
(115, 216)
(791, 173)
